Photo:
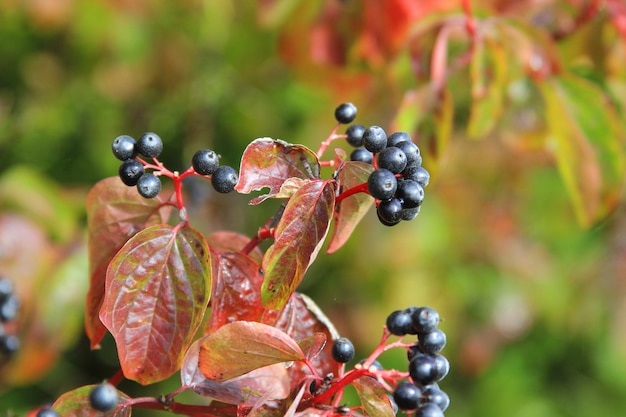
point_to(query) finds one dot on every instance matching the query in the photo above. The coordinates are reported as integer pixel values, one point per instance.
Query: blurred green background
(534, 304)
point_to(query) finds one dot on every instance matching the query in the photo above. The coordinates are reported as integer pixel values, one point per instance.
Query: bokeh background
(534, 300)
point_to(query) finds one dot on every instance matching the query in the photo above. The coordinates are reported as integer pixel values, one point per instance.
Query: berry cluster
(102, 397)
(9, 308)
(426, 365)
(205, 162)
(399, 179)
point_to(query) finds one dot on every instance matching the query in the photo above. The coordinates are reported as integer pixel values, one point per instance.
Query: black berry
(393, 159)
(224, 179)
(382, 184)
(399, 322)
(103, 397)
(411, 193)
(432, 342)
(432, 394)
(417, 174)
(149, 145)
(354, 135)
(123, 147)
(343, 350)
(410, 214)
(6, 288)
(375, 366)
(362, 155)
(205, 162)
(442, 367)
(423, 369)
(149, 185)
(407, 396)
(390, 211)
(9, 308)
(425, 319)
(345, 113)
(130, 171)
(397, 137)
(9, 344)
(374, 139)
(428, 410)
(47, 412)
(412, 152)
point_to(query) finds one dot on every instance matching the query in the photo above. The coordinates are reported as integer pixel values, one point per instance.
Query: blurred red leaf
(268, 163)
(157, 289)
(115, 213)
(227, 241)
(298, 238)
(240, 347)
(75, 403)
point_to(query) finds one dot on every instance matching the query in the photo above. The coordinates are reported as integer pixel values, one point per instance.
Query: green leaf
(586, 135)
(115, 213)
(351, 210)
(240, 347)
(75, 403)
(298, 238)
(157, 290)
(373, 397)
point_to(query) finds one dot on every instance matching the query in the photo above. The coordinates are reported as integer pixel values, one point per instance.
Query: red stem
(328, 140)
(361, 188)
(470, 24)
(587, 13)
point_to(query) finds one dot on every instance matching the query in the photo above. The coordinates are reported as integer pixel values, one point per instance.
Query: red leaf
(240, 347)
(157, 289)
(373, 397)
(115, 213)
(349, 211)
(268, 163)
(263, 384)
(75, 403)
(227, 241)
(313, 345)
(236, 293)
(298, 238)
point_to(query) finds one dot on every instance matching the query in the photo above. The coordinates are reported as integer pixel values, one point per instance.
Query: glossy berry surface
(149, 145)
(6, 287)
(412, 152)
(224, 179)
(9, 344)
(409, 214)
(422, 369)
(425, 319)
(9, 308)
(397, 137)
(130, 171)
(205, 162)
(123, 147)
(393, 159)
(428, 410)
(433, 394)
(399, 322)
(417, 174)
(442, 367)
(375, 139)
(103, 397)
(354, 135)
(407, 396)
(149, 185)
(390, 210)
(345, 113)
(432, 342)
(382, 184)
(343, 350)
(362, 155)
(47, 412)
(411, 193)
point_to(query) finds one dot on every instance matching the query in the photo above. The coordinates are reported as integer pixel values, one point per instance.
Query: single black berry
(375, 366)
(9, 344)
(205, 162)
(354, 135)
(417, 174)
(433, 394)
(442, 367)
(345, 113)
(149, 185)
(423, 369)
(9, 308)
(428, 410)
(384, 221)
(432, 342)
(130, 171)
(375, 139)
(393, 159)
(390, 210)
(224, 179)
(343, 350)
(399, 322)
(407, 396)
(362, 155)
(411, 193)
(382, 184)
(425, 319)
(397, 137)
(123, 147)
(412, 152)
(410, 214)
(149, 145)
(103, 397)
(47, 412)
(6, 288)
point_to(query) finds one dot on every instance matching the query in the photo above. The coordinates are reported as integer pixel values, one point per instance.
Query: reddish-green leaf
(236, 293)
(260, 385)
(157, 290)
(240, 347)
(268, 163)
(349, 211)
(115, 213)
(298, 238)
(227, 241)
(587, 139)
(75, 403)
(373, 397)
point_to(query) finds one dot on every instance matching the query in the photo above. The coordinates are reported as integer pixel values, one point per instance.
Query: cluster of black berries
(399, 179)
(131, 171)
(223, 177)
(102, 397)
(9, 308)
(426, 365)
